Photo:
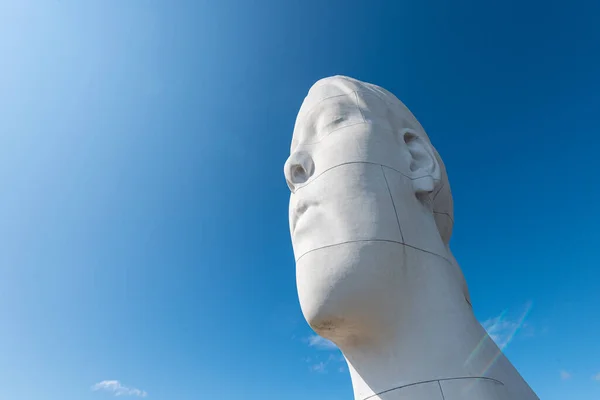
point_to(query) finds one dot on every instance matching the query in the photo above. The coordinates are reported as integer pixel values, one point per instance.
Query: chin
(346, 291)
(324, 309)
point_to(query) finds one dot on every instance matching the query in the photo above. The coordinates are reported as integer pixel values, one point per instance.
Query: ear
(424, 167)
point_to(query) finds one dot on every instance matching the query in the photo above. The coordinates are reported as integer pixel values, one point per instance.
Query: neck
(435, 341)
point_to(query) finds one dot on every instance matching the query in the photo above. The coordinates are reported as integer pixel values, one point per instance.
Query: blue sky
(144, 243)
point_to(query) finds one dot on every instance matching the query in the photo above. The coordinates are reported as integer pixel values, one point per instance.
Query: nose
(298, 169)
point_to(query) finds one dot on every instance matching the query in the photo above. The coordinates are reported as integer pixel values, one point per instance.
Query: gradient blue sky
(143, 211)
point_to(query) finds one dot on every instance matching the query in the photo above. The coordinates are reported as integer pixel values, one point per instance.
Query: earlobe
(424, 185)
(424, 166)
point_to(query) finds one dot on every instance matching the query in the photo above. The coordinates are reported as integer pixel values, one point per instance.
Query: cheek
(349, 203)
(419, 229)
(360, 143)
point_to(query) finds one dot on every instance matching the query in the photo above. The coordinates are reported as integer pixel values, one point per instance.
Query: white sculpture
(371, 216)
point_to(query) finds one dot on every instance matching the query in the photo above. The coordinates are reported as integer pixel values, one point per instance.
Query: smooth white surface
(371, 216)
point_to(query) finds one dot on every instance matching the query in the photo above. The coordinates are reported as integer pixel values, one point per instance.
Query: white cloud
(321, 343)
(564, 375)
(334, 355)
(323, 366)
(596, 377)
(500, 330)
(319, 367)
(118, 389)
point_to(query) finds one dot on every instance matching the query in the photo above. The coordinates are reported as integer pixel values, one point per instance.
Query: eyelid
(321, 121)
(328, 121)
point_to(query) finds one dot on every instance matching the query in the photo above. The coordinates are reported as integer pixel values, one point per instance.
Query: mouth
(297, 212)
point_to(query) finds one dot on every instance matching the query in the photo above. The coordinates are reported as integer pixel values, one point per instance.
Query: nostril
(298, 169)
(299, 174)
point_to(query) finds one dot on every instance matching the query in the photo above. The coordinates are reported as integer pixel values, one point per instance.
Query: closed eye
(329, 124)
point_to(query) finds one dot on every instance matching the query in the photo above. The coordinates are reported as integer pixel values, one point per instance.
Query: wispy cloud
(502, 329)
(322, 367)
(321, 343)
(116, 388)
(319, 367)
(565, 375)
(317, 362)
(596, 377)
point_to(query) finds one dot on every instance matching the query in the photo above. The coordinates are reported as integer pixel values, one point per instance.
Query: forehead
(321, 91)
(333, 104)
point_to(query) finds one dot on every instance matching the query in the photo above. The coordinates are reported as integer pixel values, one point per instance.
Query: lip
(297, 212)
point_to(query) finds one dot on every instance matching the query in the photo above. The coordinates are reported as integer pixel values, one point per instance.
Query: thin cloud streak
(564, 375)
(322, 367)
(321, 343)
(116, 388)
(502, 329)
(319, 368)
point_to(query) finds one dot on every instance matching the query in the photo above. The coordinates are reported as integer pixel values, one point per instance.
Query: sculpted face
(370, 220)
(362, 175)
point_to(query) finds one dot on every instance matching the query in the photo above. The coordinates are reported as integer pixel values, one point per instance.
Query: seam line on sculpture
(435, 380)
(441, 391)
(438, 192)
(355, 162)
(307, 112)
(342, 127)
(356, 91)
(446, 214)
(375, 240)
(323, 137)
(393, 204)
(389, 104)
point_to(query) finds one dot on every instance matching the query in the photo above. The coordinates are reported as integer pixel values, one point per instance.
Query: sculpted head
(369, 198)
